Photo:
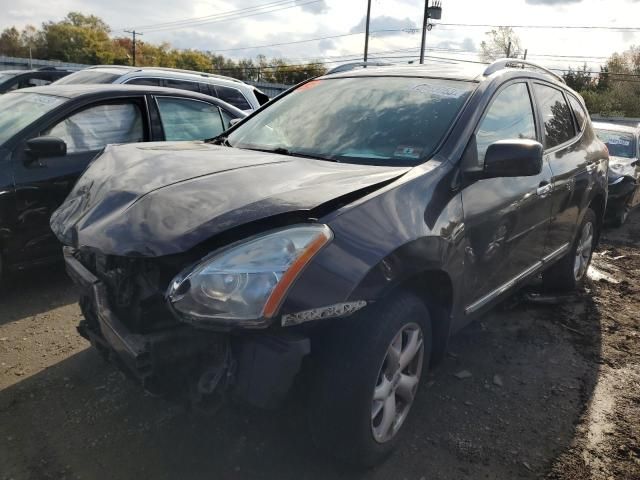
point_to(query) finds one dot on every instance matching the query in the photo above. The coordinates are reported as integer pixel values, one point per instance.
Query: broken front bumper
(183, 360)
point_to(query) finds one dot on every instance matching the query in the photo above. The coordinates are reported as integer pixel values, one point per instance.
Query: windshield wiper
(219, 140)
(291, 153)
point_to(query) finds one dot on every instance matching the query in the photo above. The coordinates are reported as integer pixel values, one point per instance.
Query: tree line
(87, 39)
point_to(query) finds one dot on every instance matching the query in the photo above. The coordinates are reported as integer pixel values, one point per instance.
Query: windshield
(18, 110)
(373, 120)
(619, 144)
(89, 77)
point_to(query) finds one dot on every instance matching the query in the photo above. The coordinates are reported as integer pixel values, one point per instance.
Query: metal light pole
(435, 12)
(366, 35)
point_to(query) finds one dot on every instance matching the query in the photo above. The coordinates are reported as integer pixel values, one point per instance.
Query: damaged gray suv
(340, 235)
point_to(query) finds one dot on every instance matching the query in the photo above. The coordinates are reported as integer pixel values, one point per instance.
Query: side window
(226, 118)
(558, 124)
(95, 127)
(182, 85)
(34, 81)
(151, 82)
(184, 119)
(233, 97)
(509, 117)
(578, 111)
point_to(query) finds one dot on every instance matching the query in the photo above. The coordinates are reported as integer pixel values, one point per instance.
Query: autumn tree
(86, 39)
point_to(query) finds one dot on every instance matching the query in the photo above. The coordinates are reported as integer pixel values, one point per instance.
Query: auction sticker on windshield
(404, 151)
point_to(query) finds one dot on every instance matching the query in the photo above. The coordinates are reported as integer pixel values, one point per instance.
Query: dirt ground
(553, 391)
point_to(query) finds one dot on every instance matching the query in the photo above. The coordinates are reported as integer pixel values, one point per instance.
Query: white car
(235, 92)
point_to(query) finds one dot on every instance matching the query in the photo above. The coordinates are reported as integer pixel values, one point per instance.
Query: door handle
(544, 189)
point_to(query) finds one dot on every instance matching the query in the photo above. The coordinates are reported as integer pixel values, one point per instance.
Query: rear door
(506, 219)
(189, 119)
(42, 185)
(567, 152)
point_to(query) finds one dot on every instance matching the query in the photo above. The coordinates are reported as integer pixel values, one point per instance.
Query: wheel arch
(419, 268)
(435, 288)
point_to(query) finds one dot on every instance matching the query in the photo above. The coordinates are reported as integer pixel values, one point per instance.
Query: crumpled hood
(154, 199)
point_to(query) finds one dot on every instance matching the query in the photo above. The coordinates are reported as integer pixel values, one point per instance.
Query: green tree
(78, 38)
(579, 79)
(10, 44)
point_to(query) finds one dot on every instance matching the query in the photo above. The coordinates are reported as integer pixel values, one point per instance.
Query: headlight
(618, 169)
(248, 280)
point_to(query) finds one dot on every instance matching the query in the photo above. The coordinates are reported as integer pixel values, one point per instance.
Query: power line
(316, 39)
(229, 18)
(563, 27)
(215, 15)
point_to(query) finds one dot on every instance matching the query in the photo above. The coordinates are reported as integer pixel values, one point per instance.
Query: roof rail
(194, 72)
(517, 63)
(352, 66)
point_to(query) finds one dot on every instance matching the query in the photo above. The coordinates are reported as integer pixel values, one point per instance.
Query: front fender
(384, 239)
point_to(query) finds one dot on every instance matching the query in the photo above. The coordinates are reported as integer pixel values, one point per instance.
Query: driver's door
(506, 219)
(42, 184)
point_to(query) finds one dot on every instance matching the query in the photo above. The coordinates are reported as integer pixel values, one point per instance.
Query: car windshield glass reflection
(375, 120)
(619, 144)
(17, 110)
(6, 76)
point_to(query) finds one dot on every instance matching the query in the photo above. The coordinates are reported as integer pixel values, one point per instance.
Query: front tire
(367, 378)
(570, 272)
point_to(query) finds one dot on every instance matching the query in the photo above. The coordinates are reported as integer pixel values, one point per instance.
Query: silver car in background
(624, 170)
(235, 92)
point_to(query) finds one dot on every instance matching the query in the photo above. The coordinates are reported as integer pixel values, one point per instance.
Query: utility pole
(425, 24)
(430, 12)
(526, 50)
(366, 35)
(134, 34)
(509, 50)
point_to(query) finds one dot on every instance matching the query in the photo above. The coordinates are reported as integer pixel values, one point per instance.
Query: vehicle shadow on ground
(34, 291)
(532, 371)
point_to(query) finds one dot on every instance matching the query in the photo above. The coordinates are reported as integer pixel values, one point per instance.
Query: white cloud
(337, 17)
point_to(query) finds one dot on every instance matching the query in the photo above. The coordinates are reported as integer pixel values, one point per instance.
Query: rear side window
(509, 117)
(233, 97)
(151, 82)
(578, 112)
(184, 119)
(96, 127)
(34, 81)
(556, 115)
(182, 85)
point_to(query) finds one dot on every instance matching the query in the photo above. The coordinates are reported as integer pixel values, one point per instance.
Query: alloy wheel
(583, 251)
(397, 382)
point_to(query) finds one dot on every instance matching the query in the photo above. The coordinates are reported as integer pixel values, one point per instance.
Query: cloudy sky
(258, 26)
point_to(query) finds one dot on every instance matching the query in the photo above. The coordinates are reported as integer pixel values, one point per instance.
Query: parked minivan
(230, 90)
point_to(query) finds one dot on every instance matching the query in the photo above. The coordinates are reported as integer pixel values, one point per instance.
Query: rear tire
(570, 272)
(367, 375)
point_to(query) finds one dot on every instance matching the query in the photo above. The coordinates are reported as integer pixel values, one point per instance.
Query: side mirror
(513, 158)
(233, 121)
(43, 147)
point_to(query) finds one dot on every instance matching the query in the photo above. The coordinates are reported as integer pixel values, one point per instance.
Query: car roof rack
(503, 63)
(352, 66)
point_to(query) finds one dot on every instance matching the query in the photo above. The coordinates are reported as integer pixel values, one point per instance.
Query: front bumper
(620, 191)
(184, 361)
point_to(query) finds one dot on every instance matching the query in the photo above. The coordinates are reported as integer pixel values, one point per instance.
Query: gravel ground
(551, 391)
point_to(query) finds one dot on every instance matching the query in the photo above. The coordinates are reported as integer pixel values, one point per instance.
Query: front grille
(135, 288)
